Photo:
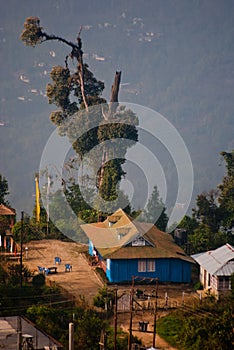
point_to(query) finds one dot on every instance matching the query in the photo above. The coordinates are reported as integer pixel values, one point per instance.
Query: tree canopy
(83, 115)
(212, 222)
(3, 190)
(156, 211)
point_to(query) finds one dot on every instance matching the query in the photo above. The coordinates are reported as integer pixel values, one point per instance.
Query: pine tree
(155, 212)
(3, 190)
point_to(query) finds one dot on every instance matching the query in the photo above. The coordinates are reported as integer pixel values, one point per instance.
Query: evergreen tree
(189, 224)
(3, 190)
(207, 211)
(213, 218)
(226, 198)
(156, 211)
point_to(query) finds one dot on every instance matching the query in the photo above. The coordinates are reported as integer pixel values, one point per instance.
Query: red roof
(4, 210)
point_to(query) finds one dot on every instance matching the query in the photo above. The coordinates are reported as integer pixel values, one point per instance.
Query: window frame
(146, 265)
(142, 265)
(151, 265)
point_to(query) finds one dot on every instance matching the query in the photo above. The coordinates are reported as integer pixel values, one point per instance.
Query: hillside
(176, 58)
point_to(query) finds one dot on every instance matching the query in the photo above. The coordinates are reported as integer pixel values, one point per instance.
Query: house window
(151, 265)
(223, 283)
(138, 242)
(141, 265)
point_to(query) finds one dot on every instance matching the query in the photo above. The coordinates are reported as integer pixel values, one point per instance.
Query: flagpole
(21, 248)
(37, 200)
(48, 205)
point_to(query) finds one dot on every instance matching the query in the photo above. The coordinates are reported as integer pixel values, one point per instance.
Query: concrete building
(32, 338)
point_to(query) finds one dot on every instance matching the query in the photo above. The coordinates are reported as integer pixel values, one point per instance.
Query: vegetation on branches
(83, 115)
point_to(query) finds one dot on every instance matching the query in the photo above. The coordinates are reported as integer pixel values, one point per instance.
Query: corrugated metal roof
(9, 327)
(226, 270)
(111, 242)
(218, 261)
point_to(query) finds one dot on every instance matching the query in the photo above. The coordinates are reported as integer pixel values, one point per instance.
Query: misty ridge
(176, 58)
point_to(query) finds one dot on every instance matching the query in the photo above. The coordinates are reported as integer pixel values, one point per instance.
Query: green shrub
(38, 280)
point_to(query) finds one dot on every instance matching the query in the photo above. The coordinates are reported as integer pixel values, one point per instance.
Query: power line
(44, 304)
(30, 297)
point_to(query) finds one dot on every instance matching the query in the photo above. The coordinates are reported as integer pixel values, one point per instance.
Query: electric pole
(155, 312)
(131, 311)
(116, 311)
(71, 336)
(21, 248)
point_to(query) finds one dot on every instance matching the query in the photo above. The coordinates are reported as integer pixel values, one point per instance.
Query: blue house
(126, 248)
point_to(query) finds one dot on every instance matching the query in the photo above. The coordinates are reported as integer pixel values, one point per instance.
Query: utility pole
(155, 312)
(71, 336)
(116, 311)
(131, 311)
(21, 248)
(19, 330)
(103, 340)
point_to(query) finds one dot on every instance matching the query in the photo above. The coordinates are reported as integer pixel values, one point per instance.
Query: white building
(216, 268)
(32, 338)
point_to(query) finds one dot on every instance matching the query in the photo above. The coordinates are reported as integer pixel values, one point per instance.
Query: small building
(7, 221)
(216, 268)
(7, 216)
(126, 248)
(16, 329)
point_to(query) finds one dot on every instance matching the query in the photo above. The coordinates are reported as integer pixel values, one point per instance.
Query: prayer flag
(48, 199)
(37, 200)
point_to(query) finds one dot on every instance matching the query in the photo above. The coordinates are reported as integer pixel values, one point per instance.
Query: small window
(224, 283)
(142, 265)
(151, 265)
(138, 242)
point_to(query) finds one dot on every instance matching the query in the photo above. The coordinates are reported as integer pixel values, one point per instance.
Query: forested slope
(176, 57)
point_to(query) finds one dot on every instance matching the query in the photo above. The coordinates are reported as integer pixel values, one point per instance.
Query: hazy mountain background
(176, 57)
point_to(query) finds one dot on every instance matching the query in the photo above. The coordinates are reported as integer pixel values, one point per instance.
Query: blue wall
(166, 270)
(90, 248)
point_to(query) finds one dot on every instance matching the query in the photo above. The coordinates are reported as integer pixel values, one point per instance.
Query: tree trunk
(112, 109)
(114, 94)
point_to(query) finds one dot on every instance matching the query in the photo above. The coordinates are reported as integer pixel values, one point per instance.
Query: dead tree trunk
(112, 110)
(114, 94)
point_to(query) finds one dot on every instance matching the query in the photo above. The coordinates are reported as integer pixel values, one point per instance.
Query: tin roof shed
(219, 262)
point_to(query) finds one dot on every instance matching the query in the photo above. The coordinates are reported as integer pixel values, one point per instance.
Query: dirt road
(83, 281)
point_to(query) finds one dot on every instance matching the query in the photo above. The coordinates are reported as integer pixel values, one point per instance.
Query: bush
(102, 274)
(198, 286)
(38, 280)
(104, 298)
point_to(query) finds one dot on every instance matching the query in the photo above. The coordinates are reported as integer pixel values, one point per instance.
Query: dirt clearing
(83, 281)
